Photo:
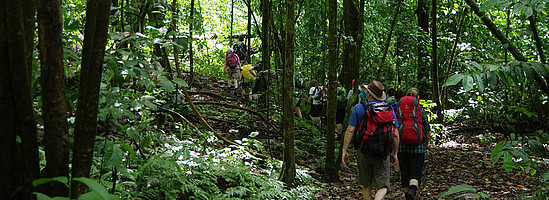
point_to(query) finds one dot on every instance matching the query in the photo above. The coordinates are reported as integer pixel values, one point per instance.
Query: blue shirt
(359, 110)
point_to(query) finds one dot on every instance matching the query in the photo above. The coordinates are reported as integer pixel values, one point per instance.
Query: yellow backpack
(246, 74)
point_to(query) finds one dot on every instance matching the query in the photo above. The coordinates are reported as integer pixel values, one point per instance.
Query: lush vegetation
(169, 128)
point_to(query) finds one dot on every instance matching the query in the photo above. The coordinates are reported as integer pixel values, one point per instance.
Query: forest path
(457, 162)
(463, 159)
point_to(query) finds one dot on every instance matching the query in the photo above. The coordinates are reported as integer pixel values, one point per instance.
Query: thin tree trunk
(266, 47)
(331, 172)
(50, 27)
(423, 22)
(175, 12)
(381, 64)
(249, 35)
(434, 64)
(95, 39)
(539, 45)
(351, 31)
(452, 57)
(18, 144)
(288, 167)
(191, 59)
(232, 17)
(542, 83)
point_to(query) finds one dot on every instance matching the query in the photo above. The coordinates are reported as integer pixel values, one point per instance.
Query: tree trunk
(191, 59)
(452, 58)
(350, 49)
(249, 35)
(423, 22)
(330, 171)
(18, 144)
(266, 47)
(95, 39)
(381, 63)
(288, 168)
(50, 27)
(535, 35)
(542, 83)
(434, 64)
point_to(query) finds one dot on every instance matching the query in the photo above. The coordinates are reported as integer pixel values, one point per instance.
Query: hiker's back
(247, 74)
(376, 127)
(411, 121)
(240, 49)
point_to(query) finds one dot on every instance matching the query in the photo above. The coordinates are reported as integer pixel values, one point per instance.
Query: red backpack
(232, 60)
(376, 127)
(410, 121)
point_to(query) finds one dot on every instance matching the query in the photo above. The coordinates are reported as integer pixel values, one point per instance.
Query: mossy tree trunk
(19, 143)
(331, 174)
(288, 169)
(50, 28)
(95, 39)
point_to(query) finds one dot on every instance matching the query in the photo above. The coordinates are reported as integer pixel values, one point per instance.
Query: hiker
(257, 80)
(315, 98)
(299, 87)
(362, 94)
(232, 67)
(341, 104)
(373, 163)
(398, 95)
(248, 75)
(241, 49)
(414, 134)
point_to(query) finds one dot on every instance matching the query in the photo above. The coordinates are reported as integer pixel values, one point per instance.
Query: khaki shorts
(373, 170)
(233, 72)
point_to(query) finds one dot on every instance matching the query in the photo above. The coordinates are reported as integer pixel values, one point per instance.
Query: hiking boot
(411, 195)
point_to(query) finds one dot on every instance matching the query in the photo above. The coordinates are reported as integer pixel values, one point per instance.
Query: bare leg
(380, 194)
(367, 192)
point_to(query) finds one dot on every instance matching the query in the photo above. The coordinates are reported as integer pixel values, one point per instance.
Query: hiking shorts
(411, 167)
(340, 115)
(233, 73)
(372, 170)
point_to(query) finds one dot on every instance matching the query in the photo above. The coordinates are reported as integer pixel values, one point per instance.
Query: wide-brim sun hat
(376, 89)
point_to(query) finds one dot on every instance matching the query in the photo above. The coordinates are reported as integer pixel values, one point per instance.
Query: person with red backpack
(374, 130)
(232, 66)
(414, 140)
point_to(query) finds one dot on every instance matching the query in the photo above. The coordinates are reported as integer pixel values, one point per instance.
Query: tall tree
(18, 144)
(422, 62)
(434, 64)
(266, 46)
(50, 27)
(95, 39)
(288, 169)
(331, 172)
(351, 51)
(535, 35)
(191, 59)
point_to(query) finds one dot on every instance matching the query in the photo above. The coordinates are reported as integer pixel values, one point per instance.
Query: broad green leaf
(95, 186)
(528, 11)
(467, 83)
(457, 189)
(487, 5)
(480, 82)
(508, 163)
(454, 79)
(537, 148)
(495, 157)
(520, 154)
(128, 148)
(474, 195)
(149, 104)
(40, 181)
(167, 85)
(113, 155)
(40, 196)
(180, 82)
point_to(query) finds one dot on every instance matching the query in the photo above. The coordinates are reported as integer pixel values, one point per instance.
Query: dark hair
(313, 83)
(398, 94)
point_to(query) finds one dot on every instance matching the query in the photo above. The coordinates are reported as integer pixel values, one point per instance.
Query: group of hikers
(237, 67)
(386, 130)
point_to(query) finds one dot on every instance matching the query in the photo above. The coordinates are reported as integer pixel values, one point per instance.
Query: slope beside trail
(461, 160)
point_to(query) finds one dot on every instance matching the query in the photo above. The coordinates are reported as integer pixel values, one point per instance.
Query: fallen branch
(208, 93)
(188, 98)
(185, 119)
(235, 107)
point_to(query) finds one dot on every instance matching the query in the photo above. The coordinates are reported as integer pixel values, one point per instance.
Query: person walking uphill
(315, 97)
(378, 144)
(232, 67)
(414, 134)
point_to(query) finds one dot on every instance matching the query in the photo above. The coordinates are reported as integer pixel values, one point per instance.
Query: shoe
(411, 195)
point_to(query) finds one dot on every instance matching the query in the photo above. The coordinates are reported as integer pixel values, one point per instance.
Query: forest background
(126, 99)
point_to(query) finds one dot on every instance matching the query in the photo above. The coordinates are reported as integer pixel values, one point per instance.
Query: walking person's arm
(347, 140)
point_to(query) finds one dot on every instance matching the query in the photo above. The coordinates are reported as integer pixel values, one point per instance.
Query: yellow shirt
(247, 74)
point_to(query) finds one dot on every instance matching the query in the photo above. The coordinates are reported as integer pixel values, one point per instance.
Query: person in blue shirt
(372, 171)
